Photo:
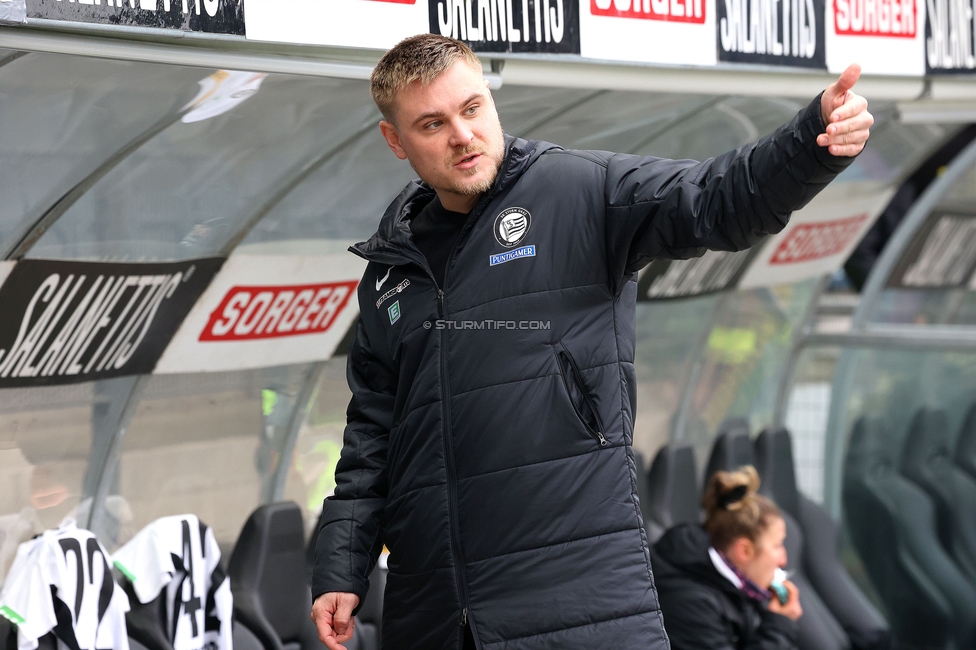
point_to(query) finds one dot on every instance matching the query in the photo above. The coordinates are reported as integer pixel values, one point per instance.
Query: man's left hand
(845, 115)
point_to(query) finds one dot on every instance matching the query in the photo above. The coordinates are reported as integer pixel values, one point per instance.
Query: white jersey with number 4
(180, 554)
(61, 582)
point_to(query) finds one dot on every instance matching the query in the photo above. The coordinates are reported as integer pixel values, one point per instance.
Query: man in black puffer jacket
(489, 433)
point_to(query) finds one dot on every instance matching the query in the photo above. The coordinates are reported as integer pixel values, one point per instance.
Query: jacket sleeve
(776, 632)
(348, 542)
(677, 209)
(695, 620)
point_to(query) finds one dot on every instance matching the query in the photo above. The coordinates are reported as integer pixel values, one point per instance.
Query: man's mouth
(468, 162)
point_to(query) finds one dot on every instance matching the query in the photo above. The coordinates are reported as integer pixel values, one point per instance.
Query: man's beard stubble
(494, 152)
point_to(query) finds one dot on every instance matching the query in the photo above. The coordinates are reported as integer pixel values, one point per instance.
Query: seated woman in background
(714, 581)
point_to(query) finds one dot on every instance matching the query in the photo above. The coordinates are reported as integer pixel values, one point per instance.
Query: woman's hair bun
(730, 490)
(733, 507)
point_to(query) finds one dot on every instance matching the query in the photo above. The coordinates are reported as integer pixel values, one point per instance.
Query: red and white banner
(268, 310)
(378, 24)
(679, 32)
(884, 36)
(820, 237)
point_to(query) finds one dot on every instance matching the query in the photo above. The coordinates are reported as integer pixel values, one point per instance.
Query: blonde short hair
(417, 58)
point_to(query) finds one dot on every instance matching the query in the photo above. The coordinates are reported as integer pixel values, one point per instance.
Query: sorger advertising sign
(680, 32)
(820, 237)
(264, 312)
(68, 322)
(884, 36)
(268, 310)
(771, 32)
(378, 24)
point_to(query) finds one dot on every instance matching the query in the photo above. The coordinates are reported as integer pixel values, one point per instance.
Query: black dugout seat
(732, 448)
(966, 443)
(892, 525)
(863, 624)
(269, 580)
(927, 462)
(818, 629)
(672, 491)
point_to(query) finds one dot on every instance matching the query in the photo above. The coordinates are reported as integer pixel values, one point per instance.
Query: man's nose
(461, 135)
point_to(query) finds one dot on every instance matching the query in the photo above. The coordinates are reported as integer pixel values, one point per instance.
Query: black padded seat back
(862, 622)
(818, 629)
(927, 461)
(672, 488)
(818, 559)
(731, 450)
(774, 462)
(966, 443)
(269, 577)
(892, 525)
(244, 639)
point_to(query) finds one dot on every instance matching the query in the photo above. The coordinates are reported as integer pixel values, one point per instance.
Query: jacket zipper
(459, 574)
(577, 378)
(448, 447)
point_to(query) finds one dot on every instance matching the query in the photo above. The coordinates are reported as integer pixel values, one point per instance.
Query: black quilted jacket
(489, 434)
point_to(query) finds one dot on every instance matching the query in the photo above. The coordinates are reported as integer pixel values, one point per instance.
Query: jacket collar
(392, 244)
(686, 548)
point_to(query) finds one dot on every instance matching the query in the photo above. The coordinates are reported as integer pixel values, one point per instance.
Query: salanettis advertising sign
(212, 16)
(950, 36)
(67, 322)
(771, 32)
(545, 26)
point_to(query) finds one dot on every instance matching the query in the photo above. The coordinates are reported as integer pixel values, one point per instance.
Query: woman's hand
(791, 609)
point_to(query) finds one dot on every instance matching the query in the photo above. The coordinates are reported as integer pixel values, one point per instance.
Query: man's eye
(471, 110)
(432, 125)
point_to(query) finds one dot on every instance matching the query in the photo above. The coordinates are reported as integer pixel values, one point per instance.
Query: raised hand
(846, 116)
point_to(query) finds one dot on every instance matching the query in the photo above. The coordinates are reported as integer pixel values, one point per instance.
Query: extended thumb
(847, 79)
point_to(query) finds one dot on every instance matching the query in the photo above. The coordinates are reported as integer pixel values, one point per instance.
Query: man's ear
(392, 139)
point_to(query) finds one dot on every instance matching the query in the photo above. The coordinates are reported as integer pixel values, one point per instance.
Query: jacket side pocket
(579, 395)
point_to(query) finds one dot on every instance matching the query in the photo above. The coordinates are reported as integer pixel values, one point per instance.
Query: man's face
(450, 133)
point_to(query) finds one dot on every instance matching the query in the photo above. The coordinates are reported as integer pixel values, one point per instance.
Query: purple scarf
(747, 586)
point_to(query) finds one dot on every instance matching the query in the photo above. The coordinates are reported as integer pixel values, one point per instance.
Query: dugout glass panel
(188, 191)
(45, 443)
(61, 117)
(207, 444)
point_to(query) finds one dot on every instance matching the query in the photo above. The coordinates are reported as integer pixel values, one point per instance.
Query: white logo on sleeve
(380, 281)
(512, 225)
